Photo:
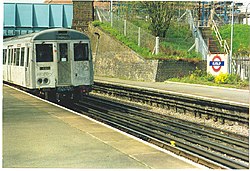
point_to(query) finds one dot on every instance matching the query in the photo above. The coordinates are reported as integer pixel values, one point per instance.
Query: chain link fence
(131, 31)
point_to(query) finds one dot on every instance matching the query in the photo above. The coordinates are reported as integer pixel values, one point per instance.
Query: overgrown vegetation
(113, 32)
(223, 79)
(241, 37)
(175, 47)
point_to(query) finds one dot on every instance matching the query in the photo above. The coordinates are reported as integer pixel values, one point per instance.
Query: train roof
(52, 34)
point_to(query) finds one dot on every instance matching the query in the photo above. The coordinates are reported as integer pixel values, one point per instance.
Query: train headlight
(39, 81)
(46, 81)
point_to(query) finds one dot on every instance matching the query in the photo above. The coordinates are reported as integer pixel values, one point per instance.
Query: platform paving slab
(37, 134)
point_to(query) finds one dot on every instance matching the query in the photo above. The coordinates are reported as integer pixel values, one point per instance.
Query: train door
(27, 68)
(9, 64)
(64, 65)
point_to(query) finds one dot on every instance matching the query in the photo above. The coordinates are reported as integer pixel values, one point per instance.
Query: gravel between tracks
(238, 129)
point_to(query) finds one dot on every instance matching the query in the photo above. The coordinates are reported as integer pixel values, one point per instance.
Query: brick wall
(83, 13)
(113, 59)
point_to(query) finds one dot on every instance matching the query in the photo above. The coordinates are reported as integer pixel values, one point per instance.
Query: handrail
(203, 49)
(226, 47)
(223, 43)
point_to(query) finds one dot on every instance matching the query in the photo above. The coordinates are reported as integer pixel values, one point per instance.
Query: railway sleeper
(207, 111)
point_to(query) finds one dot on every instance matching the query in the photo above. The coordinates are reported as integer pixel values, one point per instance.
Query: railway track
(215, 110)
(203, 146)
(200, 145)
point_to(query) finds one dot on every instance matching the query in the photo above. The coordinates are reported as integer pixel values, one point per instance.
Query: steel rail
(159, 126)
(106, 115)
(197, 106)
(165, 120)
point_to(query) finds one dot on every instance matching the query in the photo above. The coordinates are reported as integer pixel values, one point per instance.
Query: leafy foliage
(223, 79)
(160, 13)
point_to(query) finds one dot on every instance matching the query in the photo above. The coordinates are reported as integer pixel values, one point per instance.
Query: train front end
(64, 68)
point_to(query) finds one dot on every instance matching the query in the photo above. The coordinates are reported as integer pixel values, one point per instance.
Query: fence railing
(223, 43)
(131, 31)
(200, 43)
(241, 66)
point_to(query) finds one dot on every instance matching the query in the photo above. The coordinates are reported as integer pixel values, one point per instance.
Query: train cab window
(63, 52)
(4, 56)
(17, 57)
(44, 53)
(22, 56)
(81, 52)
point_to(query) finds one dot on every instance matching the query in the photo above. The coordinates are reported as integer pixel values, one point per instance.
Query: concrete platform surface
(37, 134)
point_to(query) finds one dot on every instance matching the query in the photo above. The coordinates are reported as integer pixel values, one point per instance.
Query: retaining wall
(113, 59)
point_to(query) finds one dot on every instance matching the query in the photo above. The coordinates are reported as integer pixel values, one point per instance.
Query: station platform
(39, 134)
(213, 93)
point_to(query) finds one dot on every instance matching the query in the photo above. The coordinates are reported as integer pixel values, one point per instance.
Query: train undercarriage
(66, 93)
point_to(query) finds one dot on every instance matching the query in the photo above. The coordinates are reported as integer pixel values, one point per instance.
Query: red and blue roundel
(216, 63)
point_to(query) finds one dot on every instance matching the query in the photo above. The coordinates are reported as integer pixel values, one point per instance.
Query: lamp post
(231, 44)
(111, 12)
(246, 14)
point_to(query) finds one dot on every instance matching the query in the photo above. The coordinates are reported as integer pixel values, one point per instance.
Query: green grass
(178, 41)
(169, 49)
(221, 80)
(241, 37)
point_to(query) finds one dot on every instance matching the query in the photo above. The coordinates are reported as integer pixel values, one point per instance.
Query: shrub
(233, 79)
(221, 78)
(96, 23)
(210, 77)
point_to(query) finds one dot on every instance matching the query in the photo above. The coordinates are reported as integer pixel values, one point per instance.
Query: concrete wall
(113, 59)
(176, 68)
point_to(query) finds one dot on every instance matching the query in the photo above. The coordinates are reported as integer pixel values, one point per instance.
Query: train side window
(22, 56)
(17, 56)
(13, 57)
(27, 58)
(4, 56)
(44, 53)
(63, 52)
(81, 52)
(10, 56)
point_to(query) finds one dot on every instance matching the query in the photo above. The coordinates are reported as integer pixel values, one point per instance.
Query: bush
(210, 77)
(233, 79)
(96, 23)
(221, 78)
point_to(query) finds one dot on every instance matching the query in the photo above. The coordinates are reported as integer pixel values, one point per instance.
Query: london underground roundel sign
(216, 63)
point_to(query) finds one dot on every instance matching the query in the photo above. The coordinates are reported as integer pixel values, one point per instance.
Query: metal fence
(142, 38)
(134, 33)
(201, 45)
(241, 66)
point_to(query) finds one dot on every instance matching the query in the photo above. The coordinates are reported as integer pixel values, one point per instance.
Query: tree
(160, 13)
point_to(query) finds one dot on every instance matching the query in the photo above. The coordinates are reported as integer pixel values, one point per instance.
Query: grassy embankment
(177, 44)
(241, 45)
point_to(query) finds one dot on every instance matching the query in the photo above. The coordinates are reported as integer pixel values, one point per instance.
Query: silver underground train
(55, 63)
